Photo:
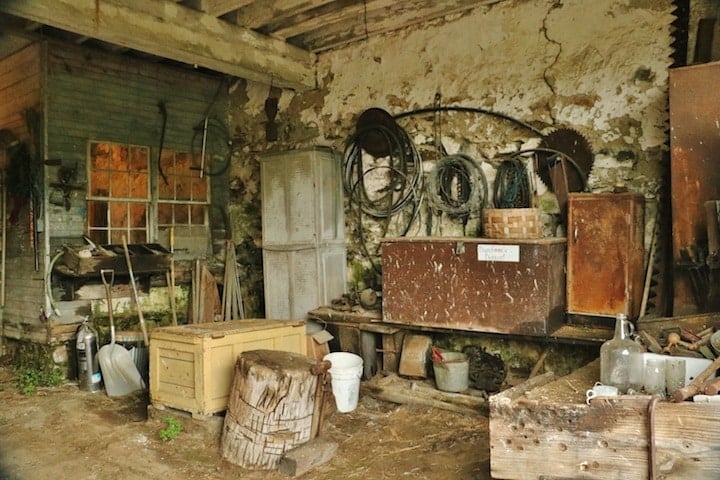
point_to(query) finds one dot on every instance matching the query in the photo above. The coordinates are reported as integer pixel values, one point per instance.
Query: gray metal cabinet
(304, 254)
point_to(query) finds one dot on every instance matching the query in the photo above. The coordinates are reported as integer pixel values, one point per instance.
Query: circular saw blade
(573, 144)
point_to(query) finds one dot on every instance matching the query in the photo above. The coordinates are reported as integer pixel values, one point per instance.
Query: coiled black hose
(457, 186)
(401, 173)
(512, 185)
(382, 188)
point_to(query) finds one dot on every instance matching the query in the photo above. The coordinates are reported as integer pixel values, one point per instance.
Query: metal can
(89, 376)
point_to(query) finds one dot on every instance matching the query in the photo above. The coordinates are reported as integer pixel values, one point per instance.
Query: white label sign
(498, 253)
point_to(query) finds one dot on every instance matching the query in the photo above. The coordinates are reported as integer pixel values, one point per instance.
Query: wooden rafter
(328, 27)
(167, 29)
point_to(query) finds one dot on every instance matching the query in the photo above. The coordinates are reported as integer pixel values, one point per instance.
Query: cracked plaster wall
(599, 67)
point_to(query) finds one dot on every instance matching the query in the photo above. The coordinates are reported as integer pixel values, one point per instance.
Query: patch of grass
(29, 379)
(172, 430)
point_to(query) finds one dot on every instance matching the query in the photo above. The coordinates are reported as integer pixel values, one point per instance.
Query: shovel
(119, 372)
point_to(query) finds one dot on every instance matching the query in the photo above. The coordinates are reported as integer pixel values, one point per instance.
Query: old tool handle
(135, 291)
(320, 368)
(103, 276)
(108, 295)
(696, 385)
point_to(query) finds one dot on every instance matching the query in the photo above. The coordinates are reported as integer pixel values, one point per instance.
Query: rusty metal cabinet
(694, 169)
(605, 253)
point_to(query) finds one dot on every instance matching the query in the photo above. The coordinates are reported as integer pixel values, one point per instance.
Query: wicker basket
(512, 223)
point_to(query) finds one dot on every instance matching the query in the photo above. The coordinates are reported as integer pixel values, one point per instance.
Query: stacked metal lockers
(303, 231)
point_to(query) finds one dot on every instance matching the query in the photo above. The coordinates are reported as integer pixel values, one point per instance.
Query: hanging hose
(212, 136)
(401, 172)
(385, 187)
(48, 283)
(512, 185)
(482, 111)
(457, 186)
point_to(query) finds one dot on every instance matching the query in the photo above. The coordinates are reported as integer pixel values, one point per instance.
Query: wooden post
(270, 409)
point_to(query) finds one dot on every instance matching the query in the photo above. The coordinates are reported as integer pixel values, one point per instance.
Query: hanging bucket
(345, 372)
(451, 374)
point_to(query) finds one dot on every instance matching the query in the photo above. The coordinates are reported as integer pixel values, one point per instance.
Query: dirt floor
(63, 432)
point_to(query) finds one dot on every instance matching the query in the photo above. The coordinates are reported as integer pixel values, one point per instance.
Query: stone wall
(599, 68)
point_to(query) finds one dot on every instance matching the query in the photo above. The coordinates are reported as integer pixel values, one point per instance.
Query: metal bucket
(133, 342)
(451, 373)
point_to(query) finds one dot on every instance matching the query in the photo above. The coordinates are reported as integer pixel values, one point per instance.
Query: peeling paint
(599, 67)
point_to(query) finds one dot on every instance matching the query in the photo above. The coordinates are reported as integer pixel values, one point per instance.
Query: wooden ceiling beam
(216, 8)
(169, 30)
(258, 14)
(372, 18)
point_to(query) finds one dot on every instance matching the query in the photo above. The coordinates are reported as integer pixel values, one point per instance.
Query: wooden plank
(695, 323)
(258, 14)
(307, 456)
(398, 390)
(221, 7)
(97, 292)
(17, 70)
(519, 390)
(338, 27)
(179, 33)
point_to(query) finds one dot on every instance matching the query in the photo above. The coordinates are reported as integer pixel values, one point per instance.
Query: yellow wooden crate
(192, 366)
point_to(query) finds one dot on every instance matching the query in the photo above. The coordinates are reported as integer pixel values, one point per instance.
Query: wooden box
(192, 366)
(145, 258)
(514, 286)
(543, 429)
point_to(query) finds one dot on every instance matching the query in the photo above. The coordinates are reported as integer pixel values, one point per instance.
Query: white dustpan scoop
(120, 374)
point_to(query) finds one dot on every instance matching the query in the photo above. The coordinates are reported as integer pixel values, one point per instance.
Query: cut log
(270, 410)
(307, 456)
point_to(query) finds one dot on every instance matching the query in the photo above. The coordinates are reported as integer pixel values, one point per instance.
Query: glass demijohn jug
(615, 355)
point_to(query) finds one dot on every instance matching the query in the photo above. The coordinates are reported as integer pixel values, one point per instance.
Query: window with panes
(121, 200)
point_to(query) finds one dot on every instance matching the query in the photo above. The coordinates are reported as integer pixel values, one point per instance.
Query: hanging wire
(457, 186)
(396, 179)
(387, 189)
(482, 111)
(512, 184)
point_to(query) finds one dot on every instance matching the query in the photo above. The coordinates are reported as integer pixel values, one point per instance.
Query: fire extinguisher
(89, 377)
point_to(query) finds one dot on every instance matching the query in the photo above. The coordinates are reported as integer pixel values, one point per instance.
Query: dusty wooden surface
(550, 431)
(192, 366)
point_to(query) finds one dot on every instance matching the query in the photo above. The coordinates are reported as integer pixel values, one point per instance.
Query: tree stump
(270, 409)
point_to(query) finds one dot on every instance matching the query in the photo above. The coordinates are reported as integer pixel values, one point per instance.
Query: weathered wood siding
(21, 89)
(84, 95)
(20, 82)
(94, 95)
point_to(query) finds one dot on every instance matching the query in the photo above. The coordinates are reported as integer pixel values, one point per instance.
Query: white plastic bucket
(345, 372)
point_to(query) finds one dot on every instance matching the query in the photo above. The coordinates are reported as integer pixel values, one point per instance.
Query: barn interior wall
(21, 76)
(600, 68)
(79, 95)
